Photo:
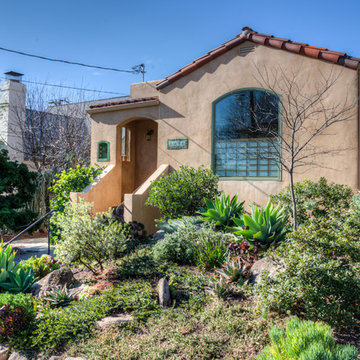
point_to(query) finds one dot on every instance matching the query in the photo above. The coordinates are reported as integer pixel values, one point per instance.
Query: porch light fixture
(148, 134)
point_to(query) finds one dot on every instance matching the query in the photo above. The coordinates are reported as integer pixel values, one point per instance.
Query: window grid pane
(246, 158)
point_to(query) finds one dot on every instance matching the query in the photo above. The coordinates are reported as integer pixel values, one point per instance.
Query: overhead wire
(69, 87)
(133, 71)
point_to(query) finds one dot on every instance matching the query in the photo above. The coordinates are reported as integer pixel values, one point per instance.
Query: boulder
(57, 278)
(4, 352)
(79, 289)
(263, 265)
(164, 292)
(113, 320)
(54, 357)
(77, 358)
(18, 356)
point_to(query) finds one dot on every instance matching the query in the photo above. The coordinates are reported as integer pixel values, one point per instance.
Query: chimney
(13, 76)
(12, 114)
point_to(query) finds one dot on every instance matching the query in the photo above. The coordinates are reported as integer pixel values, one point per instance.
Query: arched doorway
(137, 151)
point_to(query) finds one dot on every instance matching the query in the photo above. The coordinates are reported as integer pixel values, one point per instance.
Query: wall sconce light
(148, 134)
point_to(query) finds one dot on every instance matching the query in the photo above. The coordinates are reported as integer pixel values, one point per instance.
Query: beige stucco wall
(185, 111)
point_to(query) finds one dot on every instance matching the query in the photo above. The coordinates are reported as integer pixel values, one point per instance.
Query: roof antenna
(140, 69)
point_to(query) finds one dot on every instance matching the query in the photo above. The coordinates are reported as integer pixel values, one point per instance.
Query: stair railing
(29, 227)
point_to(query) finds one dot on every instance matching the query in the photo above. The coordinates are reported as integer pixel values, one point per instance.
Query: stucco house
(190, 118)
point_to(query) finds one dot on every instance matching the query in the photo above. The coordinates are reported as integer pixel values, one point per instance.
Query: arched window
(103, 151)
(245, 141)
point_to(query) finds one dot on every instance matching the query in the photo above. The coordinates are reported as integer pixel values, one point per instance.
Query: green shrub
(222, 210)
(17, 189)
(41, 265)
(212, 249)
(57, 327)
(321, 279)
(178, 247)
(182, 192)
(316, 200)
(263, 228)
(24, 301)
(306, 340)
(89, 240)
(72, 180)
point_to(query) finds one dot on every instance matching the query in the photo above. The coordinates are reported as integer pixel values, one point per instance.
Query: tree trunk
(294, 209)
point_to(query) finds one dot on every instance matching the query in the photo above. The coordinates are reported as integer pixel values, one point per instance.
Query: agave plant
(7, 263)
(19, 281)
(219, 289)
(232, 271)
(264, 227)
(59, 297)
(222, 210)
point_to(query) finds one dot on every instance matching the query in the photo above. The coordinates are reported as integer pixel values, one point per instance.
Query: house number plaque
(176, 144)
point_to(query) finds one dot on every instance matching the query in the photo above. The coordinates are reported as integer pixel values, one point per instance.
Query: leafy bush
(182, 192)
(87, 239)
(16, 313)
(264, 228)
(306, 340)
(72, 180)
(178, 247)
(222, 210)
(57, 327)
(41, 265)
(321, 277)
(211, 249)
(17, 189)
(315, 200)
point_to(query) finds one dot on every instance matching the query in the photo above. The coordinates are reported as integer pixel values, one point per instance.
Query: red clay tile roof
(128, 101)
(267, 40)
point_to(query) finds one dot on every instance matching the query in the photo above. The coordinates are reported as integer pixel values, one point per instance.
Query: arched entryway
(137, 152)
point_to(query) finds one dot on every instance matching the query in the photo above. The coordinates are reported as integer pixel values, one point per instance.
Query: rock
(77, 358)
(18, 356)
(113, 320)
(56, 279)
(164, 292)
(4, 352)
(76, 291)
(264, 265)
(55, 357)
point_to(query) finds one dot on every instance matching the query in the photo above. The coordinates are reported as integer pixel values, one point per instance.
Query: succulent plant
(219, 288)
(222, 210)
(232, 271)
(19, 281)
(59, 297)
(264, 227)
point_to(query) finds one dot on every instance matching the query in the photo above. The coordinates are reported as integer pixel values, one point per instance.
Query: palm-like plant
(222, 210)
(264, 227)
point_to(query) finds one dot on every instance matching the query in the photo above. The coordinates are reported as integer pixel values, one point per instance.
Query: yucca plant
(7, 263)
(222, 210)
(264, 227)
(306, 340)
(19, 281)
(59, 297)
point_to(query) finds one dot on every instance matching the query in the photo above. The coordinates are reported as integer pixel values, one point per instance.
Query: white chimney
(12, 115)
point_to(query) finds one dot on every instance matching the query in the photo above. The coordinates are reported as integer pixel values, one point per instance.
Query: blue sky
(165, 35)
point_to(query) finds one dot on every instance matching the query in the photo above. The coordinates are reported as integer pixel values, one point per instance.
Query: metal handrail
(29, 227)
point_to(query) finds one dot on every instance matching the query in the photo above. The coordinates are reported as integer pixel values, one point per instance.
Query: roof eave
(120, 107)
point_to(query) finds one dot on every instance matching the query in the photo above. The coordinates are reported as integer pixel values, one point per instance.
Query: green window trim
(103, 155)
(213, 120)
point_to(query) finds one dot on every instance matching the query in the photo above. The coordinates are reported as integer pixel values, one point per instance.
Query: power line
(133, 71)
(69, 87)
